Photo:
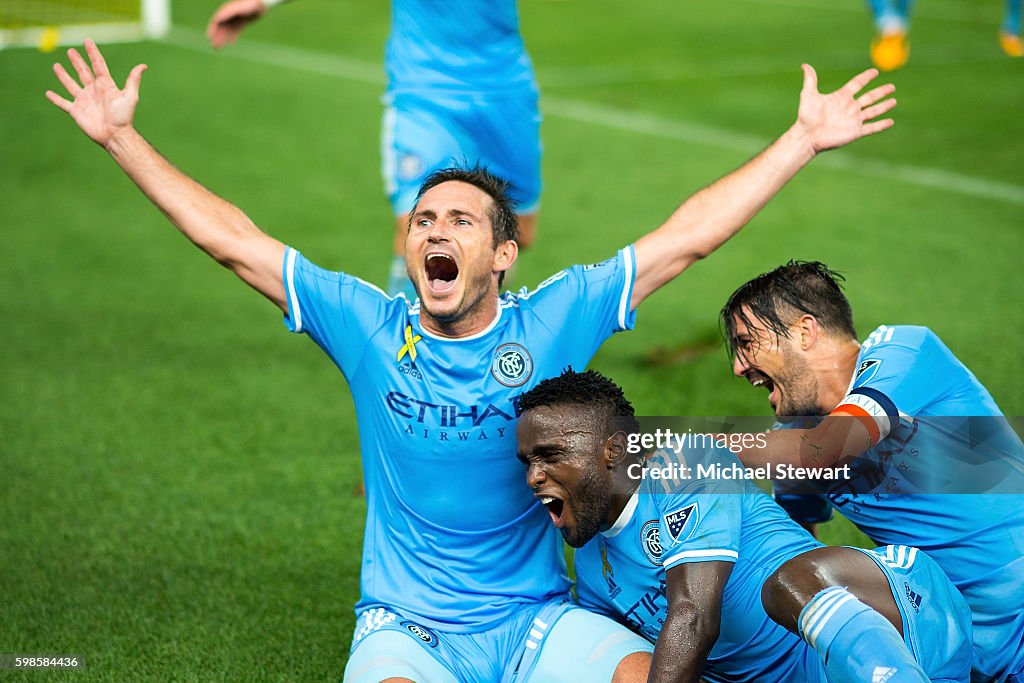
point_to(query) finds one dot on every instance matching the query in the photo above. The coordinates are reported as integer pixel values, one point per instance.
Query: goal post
(46, 24)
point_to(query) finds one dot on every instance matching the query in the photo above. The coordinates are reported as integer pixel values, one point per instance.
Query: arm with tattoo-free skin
(710, 217)
(694, 593)
(105, 113)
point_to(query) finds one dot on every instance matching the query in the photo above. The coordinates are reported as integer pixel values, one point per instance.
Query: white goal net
(45, 24)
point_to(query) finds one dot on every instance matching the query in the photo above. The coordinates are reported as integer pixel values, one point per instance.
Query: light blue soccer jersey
(920, 396)
(456, 45)
(622, 572)
(453, 536)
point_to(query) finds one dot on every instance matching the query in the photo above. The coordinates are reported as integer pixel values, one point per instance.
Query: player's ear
(614, 449)
(808, 331)
(505, 255)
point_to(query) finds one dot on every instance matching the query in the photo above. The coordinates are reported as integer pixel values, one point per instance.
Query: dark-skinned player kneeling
(715, 573)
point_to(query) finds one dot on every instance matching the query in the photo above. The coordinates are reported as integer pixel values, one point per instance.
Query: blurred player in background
(890, 48)
(729, 587)
(900, 405)
(1009, 32)
(462, 577)
(461, 91)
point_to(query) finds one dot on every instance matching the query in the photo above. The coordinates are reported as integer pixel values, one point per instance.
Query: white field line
(617, 119)
(851, 61)
(695, 133)
(931, 10)
(281, 56)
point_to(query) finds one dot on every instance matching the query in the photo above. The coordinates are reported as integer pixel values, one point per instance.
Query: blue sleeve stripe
(627, 290)
(881, 399)
(293, 300)
(702, 556)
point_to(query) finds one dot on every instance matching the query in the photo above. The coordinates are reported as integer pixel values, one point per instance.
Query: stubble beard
(479, 284)
(801, 395)
(591, 506)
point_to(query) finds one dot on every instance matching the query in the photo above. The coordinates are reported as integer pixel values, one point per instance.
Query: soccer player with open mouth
(934, 464)
(445, 595)
(714, 572)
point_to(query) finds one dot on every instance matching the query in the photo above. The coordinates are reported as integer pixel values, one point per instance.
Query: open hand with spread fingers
(838, 118)
(97, 105)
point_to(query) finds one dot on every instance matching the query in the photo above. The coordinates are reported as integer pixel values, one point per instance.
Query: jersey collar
(853, 377)
(415, 313)
(625, 516)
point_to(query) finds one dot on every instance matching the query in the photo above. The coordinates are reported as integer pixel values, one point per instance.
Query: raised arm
(710, 217)
(227, 22)
(216, 226)
(694, 593)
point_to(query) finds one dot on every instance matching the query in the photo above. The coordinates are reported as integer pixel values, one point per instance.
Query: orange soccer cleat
(1011, 43)
(890, 51)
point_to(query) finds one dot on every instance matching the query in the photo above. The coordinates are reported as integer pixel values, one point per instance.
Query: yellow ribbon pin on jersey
(410, 345)
(606, 566)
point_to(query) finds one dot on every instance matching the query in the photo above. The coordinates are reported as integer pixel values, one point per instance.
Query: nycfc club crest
(650, 539)
(421, 632)
(677, 522)
(512, 365)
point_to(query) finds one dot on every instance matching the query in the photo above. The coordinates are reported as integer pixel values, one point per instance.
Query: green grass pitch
(178, 474)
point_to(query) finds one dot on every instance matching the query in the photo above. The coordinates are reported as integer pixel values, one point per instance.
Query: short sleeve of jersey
(588, 303)
(895, 377)
(339, 312)
(700, 523)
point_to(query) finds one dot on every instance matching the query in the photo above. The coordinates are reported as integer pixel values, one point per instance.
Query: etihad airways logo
(450, 415)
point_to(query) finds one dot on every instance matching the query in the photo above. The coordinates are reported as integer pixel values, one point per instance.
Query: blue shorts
(544, 642)
(423, 134)
(936, 618)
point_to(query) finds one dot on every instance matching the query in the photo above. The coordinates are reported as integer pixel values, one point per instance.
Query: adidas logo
(882, 673)
(914, 598)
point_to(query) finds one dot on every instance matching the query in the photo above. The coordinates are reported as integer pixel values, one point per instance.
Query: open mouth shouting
(555, 507)
(759, 379)
(441, 271)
